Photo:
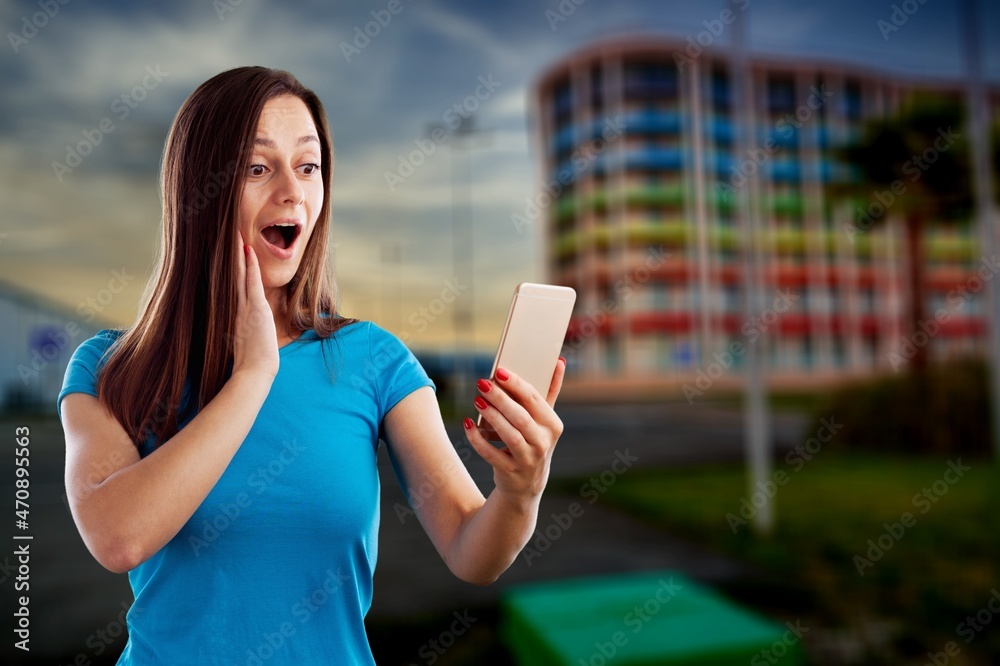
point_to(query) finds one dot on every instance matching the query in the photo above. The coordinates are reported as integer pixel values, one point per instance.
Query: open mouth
(281, 235)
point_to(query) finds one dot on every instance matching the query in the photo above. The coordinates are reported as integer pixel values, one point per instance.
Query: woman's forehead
(285, 114)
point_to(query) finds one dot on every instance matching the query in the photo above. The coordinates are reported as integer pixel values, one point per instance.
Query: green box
(657, 617)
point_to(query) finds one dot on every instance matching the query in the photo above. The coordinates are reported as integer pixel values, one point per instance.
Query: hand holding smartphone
(532, 337)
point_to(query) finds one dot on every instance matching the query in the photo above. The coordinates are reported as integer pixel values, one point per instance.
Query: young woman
(217, 454)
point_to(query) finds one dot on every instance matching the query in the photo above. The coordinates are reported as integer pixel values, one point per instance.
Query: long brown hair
(187, 322)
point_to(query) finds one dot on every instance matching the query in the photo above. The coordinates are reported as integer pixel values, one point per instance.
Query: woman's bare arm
(478, 537)
(127, 508)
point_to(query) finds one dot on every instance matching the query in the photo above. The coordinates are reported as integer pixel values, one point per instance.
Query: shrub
(943, 411)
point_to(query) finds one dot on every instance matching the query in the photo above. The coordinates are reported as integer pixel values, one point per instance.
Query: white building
(36, 341)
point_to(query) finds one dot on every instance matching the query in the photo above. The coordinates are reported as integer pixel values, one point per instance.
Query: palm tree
(914, 164)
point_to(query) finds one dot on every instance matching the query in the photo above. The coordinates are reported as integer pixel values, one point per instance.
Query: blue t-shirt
(275, 566)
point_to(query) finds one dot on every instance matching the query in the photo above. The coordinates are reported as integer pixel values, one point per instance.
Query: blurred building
(638, 212)
(36, 341)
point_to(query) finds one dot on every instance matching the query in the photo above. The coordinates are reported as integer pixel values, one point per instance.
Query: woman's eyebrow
(269, 143)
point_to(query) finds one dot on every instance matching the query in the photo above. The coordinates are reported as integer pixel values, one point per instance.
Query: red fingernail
(246, 250)
(484, 385)
(502, 374)
(481, 402)
(563, 359)
(468, 423)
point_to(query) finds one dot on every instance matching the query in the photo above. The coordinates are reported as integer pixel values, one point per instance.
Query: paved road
(76, 604)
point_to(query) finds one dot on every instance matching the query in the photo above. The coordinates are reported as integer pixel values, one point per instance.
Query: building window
(684, 354)
(720, 91)
(566, 223)
(807, 357)
(781, 94)
(563, 154)
(839, 352)
(821, 111)
(867, 300)
(836, 301)
(807, 299)
(821, 301)
(726, 216)
(660, 300)
(733, 301)
(596, 88)
(650, 80)
(612, 357)
(852, 100)
(662, 347)
(562, 101)
(869, 350)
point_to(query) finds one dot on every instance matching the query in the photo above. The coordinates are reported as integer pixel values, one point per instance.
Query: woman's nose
(288, 188)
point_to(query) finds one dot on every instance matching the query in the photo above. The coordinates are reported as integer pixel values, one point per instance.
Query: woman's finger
(508, 419)
(538, 412)
(556, 384)
(255, 285)
(241, 270)
(494, 456)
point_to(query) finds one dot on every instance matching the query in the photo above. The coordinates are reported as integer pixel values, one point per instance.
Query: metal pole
(978, 118)
(463, 259)
(758, 427)
(463, 249)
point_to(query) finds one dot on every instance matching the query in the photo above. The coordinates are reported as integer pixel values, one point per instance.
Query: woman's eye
(310, 169)
(257, 169)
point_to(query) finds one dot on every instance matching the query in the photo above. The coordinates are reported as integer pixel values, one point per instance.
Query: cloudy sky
(66, 233)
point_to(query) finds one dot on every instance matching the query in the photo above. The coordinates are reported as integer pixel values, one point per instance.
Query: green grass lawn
(940, 570)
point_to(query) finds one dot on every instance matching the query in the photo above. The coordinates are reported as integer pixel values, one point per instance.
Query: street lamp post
(758, 425)
(462, 243)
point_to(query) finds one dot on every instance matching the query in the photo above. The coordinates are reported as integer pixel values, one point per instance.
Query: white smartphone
(532, 338)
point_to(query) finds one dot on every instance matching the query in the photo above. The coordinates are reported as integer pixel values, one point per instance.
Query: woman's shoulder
(368, 335)
(379, 336)
(108, 334)
(92, 353)
(340, 326)
(336, 325)
(100, 342)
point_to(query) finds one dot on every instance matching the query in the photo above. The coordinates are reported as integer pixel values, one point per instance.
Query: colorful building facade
(640, 191)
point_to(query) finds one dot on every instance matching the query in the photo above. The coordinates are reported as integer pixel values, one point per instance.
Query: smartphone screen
(532, 337)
